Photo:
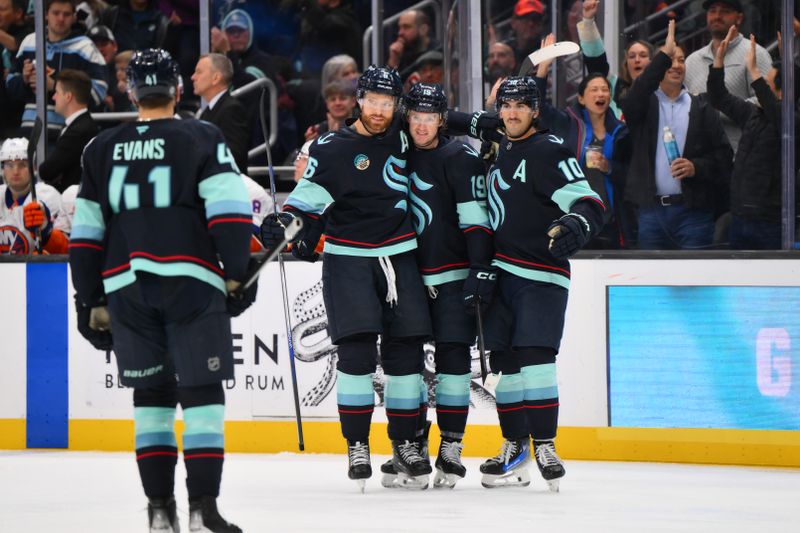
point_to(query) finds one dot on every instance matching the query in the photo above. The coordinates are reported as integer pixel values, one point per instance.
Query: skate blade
(445, 481)
(161, 524)
(362, 485)
(554, 485)
(390, 481)
(404, 481)
(513, 478)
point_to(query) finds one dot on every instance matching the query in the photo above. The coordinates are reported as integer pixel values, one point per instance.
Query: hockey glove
(34, 216)
(484, 126)
(99, 338)
(272, 229)
(567, 235)
(238, 302)
(304, 251)
(479, 286)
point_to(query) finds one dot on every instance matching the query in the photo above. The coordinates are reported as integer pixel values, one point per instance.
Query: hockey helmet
(15, 149)
(382, 80)
(152, 72)
(518, 89)
(425, 98)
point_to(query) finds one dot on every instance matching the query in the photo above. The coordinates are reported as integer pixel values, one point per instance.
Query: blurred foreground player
(542, 211)
(160, 201)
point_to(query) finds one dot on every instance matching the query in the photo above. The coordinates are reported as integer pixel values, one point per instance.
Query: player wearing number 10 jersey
(160, 201)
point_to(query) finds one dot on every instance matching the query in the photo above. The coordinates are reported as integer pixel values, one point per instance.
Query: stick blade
(559, 49)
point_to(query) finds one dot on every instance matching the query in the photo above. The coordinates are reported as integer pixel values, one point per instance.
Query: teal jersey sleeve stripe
(536, 275)
(472, 214)
(87, 232)
(309, 197)
(571, 192)
(228, 207)
(88, 213)
(226, 186)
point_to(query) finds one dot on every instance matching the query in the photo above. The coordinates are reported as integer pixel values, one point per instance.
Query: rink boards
(681, 360)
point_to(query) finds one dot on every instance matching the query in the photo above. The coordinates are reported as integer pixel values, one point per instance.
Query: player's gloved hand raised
(94, 324)
(238, 301)
(483, 124)
(34, 216)
(273, 227)
(567, 235)
(479, 287)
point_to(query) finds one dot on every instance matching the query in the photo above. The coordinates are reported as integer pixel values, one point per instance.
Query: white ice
(70, 492)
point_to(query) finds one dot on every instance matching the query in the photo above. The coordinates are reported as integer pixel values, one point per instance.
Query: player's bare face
(517, 117)
(377, 111)
(16, 175)
(424, 128)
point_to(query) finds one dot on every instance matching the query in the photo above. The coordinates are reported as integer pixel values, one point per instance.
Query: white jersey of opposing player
(14, 237)
(260, 200)
(64, 219)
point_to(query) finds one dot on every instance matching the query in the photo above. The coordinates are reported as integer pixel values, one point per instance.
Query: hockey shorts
(164, 327)
(451, 323)
(355, 294)
(525, 313)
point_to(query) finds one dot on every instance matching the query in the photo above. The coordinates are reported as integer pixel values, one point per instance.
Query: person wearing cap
(721, 15)
(428, 68)
(527, 24)
(137, 24)
(104, 40)
(414, 38)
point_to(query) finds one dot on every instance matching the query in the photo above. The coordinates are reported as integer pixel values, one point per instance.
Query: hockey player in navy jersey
(542, 211)
(161, 202)
(357, 175)
(448, 204)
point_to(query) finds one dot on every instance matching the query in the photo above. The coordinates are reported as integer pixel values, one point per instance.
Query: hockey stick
(481, 347)
(32, 142)
(284, 290)
(289, 234)
(559, 49)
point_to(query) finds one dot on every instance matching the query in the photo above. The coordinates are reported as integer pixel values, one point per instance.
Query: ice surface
(70, 492)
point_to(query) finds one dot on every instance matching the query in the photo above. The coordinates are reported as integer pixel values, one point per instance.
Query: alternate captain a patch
(361, 162)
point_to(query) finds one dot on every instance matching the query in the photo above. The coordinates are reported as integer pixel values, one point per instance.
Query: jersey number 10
(159, 177)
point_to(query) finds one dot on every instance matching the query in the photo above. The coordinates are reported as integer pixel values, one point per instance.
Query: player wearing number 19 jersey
(160, 204)
(542, 211)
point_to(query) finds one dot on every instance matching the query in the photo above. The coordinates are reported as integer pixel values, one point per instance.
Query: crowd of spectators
(311, 51)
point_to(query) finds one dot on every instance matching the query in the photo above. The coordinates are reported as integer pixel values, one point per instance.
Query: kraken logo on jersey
(423, 215)
(497, 211)
(394, 180)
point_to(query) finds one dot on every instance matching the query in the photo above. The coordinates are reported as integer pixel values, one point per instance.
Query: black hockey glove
(101, 340)
(304, 251)
(272, 229)
(238, 301)
(567, 235)
(484, 126)
(479, 285)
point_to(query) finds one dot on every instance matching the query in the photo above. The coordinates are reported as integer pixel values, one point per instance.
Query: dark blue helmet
(152, 72)
(425, 98)
(519, 89)
(382, 80)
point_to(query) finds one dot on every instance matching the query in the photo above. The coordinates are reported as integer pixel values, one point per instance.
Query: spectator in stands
(756, 178)
(104, 40)
(137, 24)
(119, 91)
(212, 79)
(65, 50)
(327, 28)
(62, 167)
(501, 63)
(13, 28)
(527, 25)
(721, 15)
(638, 55)
(601, 144)
(23, 221)
(183, 35)
(414, 38)
(428, 68)
(340, 101)
(341, 67)
(676, 201)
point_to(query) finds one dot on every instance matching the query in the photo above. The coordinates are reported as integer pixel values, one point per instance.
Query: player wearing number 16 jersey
(161, 202)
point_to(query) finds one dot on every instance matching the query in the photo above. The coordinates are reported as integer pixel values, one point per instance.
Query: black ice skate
(162, 515)
(389, 479)
(359, 467)
(510, 467)
(449, 468)
(412, 468)
(550, 464)
(204, 516)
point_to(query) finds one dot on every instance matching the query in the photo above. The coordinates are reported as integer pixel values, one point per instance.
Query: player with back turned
(542, 211)
(161, 202)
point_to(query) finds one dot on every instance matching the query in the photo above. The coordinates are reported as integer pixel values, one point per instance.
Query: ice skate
(359, 468)
(204, 516)
(162, 515)
(389, 477)
(449, 468)
(550, 464)
(510, 467)
(412, 468)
